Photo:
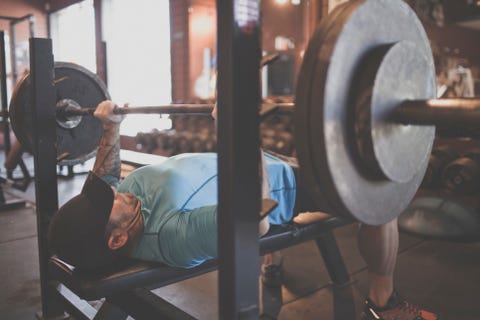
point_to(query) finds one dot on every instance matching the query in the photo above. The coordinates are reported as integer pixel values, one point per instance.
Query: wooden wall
(193, 28)
(19, 8)
(179, 39)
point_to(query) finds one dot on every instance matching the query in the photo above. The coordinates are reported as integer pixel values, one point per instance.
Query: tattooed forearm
(108, 154)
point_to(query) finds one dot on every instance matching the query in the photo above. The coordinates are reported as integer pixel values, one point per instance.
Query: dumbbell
(462, 176)
(439, 158)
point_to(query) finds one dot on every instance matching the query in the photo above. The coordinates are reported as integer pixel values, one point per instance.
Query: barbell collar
(460, 114)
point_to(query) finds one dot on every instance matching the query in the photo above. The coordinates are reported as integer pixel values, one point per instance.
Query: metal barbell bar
(193, 109)
(67, 111)
(442, 112)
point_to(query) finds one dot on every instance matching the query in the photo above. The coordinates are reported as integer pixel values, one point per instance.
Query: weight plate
(303, 91)
(72, 83)
(324, 108)
(402, 71)
(441, 218)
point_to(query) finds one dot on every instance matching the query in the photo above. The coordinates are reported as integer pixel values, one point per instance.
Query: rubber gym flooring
(443, 276)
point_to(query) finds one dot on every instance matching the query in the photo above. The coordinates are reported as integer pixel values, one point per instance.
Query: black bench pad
(129, 273)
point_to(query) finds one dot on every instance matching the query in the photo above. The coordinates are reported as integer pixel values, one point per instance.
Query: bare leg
(379, 247)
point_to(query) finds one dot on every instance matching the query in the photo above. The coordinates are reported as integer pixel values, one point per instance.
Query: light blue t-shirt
(179, 206)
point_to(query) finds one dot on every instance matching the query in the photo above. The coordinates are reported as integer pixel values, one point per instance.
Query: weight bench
(126, 286)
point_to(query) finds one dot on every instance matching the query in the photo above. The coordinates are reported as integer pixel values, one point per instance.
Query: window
(137, 34)
(73, 34)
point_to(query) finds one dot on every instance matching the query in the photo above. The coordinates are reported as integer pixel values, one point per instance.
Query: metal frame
(140, 303)
(238, 166)
(239, 56)
(239, 158)
(44, 149)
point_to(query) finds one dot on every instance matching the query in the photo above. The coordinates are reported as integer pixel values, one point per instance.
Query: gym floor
(441, 275)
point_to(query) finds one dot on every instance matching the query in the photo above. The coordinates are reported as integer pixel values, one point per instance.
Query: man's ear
(117, 239)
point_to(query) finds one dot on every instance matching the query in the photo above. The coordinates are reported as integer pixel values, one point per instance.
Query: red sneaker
(396, 309)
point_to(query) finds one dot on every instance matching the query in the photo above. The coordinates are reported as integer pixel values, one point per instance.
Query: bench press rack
(126, 287)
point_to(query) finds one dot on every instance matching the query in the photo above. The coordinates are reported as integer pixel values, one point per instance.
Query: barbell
(78, 93)
(77, 89)
(365, 110)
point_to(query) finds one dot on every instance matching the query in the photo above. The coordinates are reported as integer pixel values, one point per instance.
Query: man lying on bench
(167, 213)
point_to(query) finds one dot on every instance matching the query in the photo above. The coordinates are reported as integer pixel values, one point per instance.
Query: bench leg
(142, 304)
(330, 252)
(110, 312)
(271, 301)
(76, 307)
(82, 310)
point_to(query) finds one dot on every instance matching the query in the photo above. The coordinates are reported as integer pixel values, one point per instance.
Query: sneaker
(396, 309)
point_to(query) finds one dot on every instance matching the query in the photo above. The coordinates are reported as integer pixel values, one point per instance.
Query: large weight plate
(303, 92)
(324, 111)
(77, 84)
